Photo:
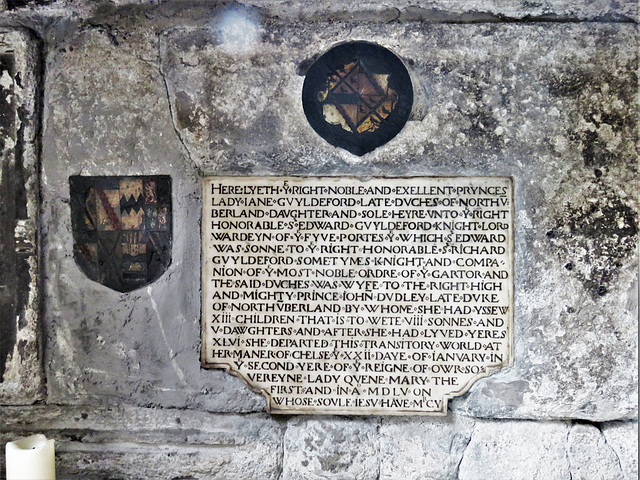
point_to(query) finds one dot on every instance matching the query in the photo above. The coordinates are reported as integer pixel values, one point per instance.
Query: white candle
(31, 458)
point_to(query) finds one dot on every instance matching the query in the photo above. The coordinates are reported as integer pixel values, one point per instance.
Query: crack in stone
(282, 450)
(379, 463)
(567, 452)
(604, 437)
(171, 110)
(104, 28)
(599, 426)
(464, 451)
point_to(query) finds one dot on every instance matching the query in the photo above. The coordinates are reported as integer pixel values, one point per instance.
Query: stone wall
(545, 92)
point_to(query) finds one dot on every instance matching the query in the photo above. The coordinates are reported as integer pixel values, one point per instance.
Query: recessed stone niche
(20, 367)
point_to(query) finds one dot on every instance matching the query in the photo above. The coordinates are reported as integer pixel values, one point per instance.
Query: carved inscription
(348, 296)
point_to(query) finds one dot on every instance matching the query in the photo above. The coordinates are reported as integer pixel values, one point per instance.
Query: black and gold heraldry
(122, 232)
(357, 96)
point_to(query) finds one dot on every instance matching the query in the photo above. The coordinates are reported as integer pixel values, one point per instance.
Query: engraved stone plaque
(342, 295)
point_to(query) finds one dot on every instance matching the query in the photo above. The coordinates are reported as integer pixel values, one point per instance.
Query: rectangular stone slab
(350, 296)
(552, 105)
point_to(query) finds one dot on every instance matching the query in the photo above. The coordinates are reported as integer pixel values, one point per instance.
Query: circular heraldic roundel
(357, 96)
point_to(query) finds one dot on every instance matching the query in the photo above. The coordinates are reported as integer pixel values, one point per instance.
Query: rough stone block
(517, 451)
(155, 88)
(423, 449)
(125, 443)
(590, 456)
(331, 448)
(622, 437)
(107, 114)
(550, 450)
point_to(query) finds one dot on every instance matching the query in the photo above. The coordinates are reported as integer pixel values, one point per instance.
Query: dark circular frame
(375, 59)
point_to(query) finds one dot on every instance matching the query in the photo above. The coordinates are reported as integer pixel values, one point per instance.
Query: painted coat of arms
(122, 231)
(357, 96)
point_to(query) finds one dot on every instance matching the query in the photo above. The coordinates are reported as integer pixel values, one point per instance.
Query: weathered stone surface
(553, 450)
(420, 449)
(495, 93)
(590, 457)
(457, 447)
(107, 114)
(516, 450)
(443, 10)
(390, 10)
(622, 438)
(124, 443)
(331, 448)
(162, 89)
(552, 105)
(20, 343)
(127, 442)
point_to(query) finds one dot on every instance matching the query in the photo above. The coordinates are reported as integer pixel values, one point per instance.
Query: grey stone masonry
(544, 92)
(133, 442)
(126, 442)
(21, 373)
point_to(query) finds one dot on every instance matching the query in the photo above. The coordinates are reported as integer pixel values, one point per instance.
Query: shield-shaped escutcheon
(122, 231)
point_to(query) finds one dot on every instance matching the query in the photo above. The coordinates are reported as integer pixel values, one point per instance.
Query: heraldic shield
(122, 232)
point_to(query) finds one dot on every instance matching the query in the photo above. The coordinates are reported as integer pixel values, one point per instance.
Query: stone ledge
(129, 442)
(457, 447)
(369, 10)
